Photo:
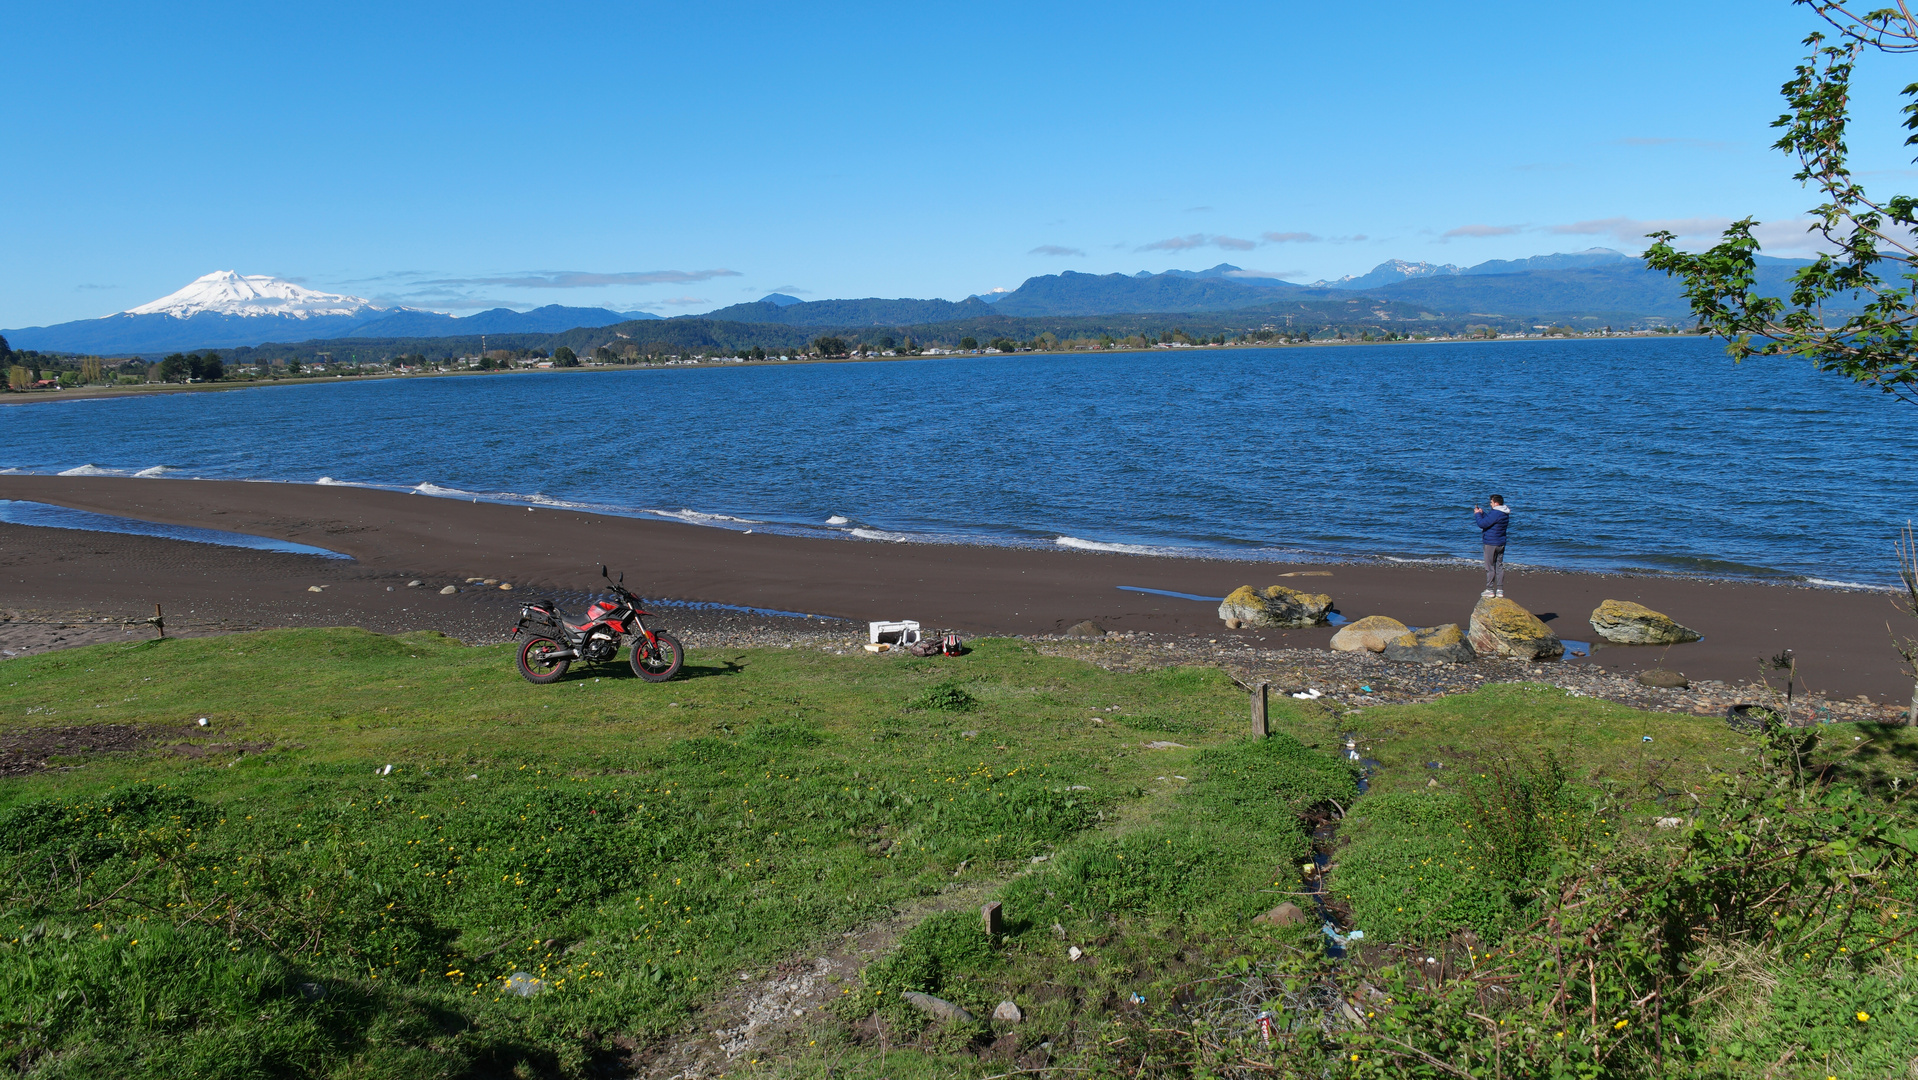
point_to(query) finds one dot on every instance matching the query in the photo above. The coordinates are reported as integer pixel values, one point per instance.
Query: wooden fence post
(1259, 729)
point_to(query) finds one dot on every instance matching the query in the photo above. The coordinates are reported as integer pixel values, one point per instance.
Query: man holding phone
(1491, 524)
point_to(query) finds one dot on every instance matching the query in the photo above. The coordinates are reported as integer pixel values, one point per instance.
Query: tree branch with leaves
(1854, 310)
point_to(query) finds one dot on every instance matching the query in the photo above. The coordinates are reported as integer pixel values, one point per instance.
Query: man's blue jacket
(1492, 522)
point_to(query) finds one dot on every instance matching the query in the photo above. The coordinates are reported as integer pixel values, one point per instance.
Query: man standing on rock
(1492, 524)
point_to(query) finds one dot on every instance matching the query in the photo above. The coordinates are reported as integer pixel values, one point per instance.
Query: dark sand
(1840, 638)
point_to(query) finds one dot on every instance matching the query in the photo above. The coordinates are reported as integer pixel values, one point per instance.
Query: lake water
(1655, 455)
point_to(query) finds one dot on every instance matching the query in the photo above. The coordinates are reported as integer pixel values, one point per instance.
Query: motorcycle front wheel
(533, 662)
(659, 661)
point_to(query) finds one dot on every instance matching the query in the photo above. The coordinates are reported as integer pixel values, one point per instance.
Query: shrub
(945, 696)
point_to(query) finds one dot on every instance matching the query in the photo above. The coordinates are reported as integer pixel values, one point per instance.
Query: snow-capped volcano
(225, 292)
(225, 309)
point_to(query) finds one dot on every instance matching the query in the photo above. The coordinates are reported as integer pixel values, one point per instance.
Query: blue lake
(1636, 454)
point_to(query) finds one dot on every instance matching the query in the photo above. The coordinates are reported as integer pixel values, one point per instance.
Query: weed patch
(945, 696)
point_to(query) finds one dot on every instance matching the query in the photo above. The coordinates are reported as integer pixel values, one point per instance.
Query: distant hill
(871, 312)
(1073, 293)
(1570, 260)
(1227, 272)
(1596, 282)
(550, 319)
(1389, 272)
(1625, 286)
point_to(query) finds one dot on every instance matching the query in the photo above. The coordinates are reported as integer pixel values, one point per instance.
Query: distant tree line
(192, 367)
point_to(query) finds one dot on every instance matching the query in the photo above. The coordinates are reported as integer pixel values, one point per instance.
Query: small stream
(1324, 844)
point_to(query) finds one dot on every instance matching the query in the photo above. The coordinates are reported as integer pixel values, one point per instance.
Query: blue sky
(683, 157)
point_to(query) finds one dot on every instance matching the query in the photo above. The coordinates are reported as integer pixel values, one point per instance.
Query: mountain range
(225, 309)
(228, 310)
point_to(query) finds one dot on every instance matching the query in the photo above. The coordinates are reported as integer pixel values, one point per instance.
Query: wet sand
(1841, 639)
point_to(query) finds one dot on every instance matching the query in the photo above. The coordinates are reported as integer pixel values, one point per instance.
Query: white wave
(157, 470)
(327, 481)
(547, 500)
(1122, 549)
(93, 470)
(837, 520)
(1862, 586)
(429, 488)
(878, 534)
(694, 517)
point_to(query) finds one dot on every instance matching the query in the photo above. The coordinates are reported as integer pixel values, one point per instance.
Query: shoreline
(1291, 557)
(1838, 636)
(35, 397)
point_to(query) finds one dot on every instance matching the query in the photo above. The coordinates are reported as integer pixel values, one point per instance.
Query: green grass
(274, 901)
(629, 844)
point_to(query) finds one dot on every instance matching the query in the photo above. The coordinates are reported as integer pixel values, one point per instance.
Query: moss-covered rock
(1370, 634)
(1501, 627)
(1274, 605)
(1625, 623)
(1433, 645)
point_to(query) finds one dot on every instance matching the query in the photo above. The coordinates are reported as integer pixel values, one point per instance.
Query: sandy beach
(1841, 639)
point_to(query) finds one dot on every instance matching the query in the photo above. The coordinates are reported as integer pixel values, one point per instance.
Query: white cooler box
(895, 633)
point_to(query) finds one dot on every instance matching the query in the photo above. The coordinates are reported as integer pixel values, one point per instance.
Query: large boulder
(1432, 645)
(1370, 633)
(1274, 605)
(1500, 627)
(1625, 623)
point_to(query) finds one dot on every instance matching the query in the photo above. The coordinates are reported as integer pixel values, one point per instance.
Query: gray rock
(937, 1008)
(1286, 914)
(448, 591)
(1274, 605)
(1501, 627)
(1008, 1012)
(1087, 629)
(1432, 645)
(1625, 623)
(524, 984)
(415, 583)
(1369, 634)
(1664, 680)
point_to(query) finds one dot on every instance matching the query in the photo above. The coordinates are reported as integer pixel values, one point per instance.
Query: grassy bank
(265, 896)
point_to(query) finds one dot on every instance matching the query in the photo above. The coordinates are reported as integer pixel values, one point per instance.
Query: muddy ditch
(25, 751)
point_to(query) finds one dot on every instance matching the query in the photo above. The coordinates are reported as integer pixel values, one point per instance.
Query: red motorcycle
(551, 643)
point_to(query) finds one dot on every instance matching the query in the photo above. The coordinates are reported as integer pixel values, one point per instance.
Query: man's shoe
(1501, 593)
(1487, 593)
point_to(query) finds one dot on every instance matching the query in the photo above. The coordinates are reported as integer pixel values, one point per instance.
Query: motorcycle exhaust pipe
(561, 654)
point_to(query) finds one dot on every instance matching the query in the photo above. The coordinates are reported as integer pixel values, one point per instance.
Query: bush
(945, 696)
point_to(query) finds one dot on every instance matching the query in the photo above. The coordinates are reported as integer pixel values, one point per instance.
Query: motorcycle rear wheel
(534, 665)
(660, 661)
